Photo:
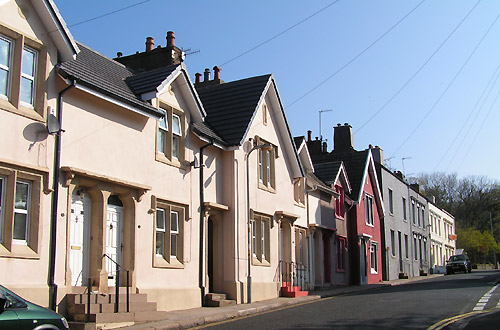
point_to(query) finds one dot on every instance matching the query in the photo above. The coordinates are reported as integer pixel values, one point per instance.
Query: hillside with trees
(475, 203)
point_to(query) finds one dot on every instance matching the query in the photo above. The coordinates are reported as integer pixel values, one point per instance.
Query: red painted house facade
(366, 213)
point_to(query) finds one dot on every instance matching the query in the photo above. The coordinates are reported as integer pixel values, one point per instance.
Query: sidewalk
(183, 319)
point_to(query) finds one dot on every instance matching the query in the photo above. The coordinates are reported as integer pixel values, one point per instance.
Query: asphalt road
(434, 304)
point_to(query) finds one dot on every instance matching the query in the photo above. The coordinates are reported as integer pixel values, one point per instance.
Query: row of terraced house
(127, 173)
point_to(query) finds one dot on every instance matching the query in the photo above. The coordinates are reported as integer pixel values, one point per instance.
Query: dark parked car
(18, 313)
(459, 262)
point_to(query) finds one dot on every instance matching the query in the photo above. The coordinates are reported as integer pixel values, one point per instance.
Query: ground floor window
(341, 248)
(169, 232)
(261, 226)
(373, 257)
(20, 199)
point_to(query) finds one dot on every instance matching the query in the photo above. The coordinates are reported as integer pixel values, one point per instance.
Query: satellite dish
(53, 126)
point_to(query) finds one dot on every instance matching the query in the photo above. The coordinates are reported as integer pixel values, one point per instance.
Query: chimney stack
(150, 43)
(324, 147)
(198, 78)
(342, 138)
(378, 154)
(216, 73)
(170, 39)
(309, 136)
(206, 75)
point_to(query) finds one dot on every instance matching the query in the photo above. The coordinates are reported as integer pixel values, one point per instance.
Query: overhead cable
(355, 57)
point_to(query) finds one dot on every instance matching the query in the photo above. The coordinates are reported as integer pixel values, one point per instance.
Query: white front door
(78, 253)
(114, 244)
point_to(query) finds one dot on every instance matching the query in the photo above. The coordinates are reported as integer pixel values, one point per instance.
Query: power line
(281, 33)
(449, 85)
(488, 87)
(110, 13)
(356, 57)
(418, 70)
(478, 131)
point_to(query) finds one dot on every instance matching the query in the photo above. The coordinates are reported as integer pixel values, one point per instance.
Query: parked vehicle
(459, 262)
(18, 313)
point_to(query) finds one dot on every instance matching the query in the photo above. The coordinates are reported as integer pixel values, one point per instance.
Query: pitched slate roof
(354, 162)
(148, 81)
(327, 172)
(205, 130)
(231, 106)
(105, 75)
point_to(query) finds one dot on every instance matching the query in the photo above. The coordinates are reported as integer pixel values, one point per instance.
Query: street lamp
(265, 147)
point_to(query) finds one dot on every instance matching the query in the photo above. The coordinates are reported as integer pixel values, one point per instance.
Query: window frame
(2, 205)
(369, 216)
(30, 78)
(261, 236)
(405, 214)
(7, 68)
(22, 211)
(373, 258)
(299, 193)
(393, 243)
(12, 101)
(28, 248)
(166, 152)
(407, 252)
(166, 259)
(266, 167)
(341, 254)
(391, 201)
(339, 202)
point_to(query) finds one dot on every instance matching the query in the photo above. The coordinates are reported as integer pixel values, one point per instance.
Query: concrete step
(215, 296)
(110, 307)
(294, 294)
(220, 303)
(96, 298)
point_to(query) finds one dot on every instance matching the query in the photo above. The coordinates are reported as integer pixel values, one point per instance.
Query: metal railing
(293, 274)
(118, 270)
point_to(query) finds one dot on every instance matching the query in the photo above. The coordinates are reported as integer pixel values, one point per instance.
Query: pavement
(188, 318)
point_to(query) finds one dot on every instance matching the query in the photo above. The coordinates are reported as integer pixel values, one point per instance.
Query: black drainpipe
(55, 196)
(202, 222)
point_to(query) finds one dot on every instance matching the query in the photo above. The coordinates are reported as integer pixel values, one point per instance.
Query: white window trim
(31, 78)
(160, 230)
(374, 246)
(2, 205)
(174, 233)
(369, 216)
(8, 68)
(22, 211)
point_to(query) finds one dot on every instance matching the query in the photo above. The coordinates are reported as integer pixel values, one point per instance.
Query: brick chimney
(342, 138)
(170, 39)
(198, 78)
(153, 58)
(150, 44)
(206, 78)
(378, 154)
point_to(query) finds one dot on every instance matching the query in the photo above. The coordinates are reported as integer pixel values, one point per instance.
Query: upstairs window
(2, 207)
(423, 216)
(299, 190)
(404, 209)
(266, 168)
(413, 215)
(5, 66)
(339, 201)
(391, 202)
(169, 140)
(28, 76)
(418, 215)
(22, 64)
(369, 210)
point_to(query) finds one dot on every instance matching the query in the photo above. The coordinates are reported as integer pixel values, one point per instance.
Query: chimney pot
(325, 147)
(346, 124)
(150, 43)
(370, 146)
(309, 135)
(119, 54)
(198, 78)
(339, 124)
(206, 75)
(170, 38)
(216, 73)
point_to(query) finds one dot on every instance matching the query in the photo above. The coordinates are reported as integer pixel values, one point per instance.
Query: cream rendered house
(33, 39)
(443, 237)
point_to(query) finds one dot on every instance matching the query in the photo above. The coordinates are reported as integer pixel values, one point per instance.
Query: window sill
(18, 251)
(22, 111)
(257, 262)
(299, 204)
(160, 262)
(338, 217)
(372, 271)
(163, 159)
(266, 188)
(340, 270)
(369, 225)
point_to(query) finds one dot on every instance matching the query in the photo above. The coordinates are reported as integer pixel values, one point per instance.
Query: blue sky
(417, 78)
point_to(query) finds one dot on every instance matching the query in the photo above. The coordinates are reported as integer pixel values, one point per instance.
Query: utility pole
(494, 253)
